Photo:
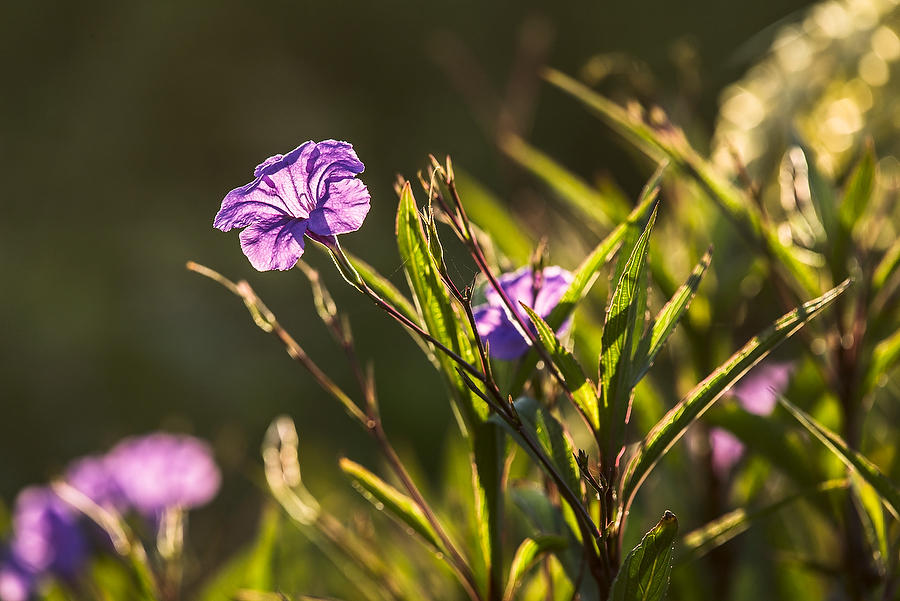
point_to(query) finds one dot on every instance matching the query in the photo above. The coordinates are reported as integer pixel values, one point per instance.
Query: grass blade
(716, 533)
(526, 556)
(384, 496)
(618, 341)
(855, 461)
(583, 390)
(667, 318)
(674, 424)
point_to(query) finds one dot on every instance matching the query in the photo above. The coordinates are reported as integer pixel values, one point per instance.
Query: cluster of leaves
(543, 487)
(574, 502)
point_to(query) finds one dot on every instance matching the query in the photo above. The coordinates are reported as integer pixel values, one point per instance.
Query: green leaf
(584, 392)
(251, 568)
(871, 510)
(384, 496)
(618, 341)
(665, 321)
(716, 533)
(666, 142)
(674, 424)
(588, 272)
(884, 356)
(575, 192)
(525, 558)
(887, 490)
(550, 434)
(644, 575)
(859, 189)
(887, 266)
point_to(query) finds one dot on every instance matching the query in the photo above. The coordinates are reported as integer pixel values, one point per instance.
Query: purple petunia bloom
(16, 583)
(757, 392)
(494, 323)
(162, 470)
(91, 476)
(46, 535)
(310, 191)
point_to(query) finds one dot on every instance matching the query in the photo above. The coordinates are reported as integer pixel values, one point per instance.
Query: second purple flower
(542, 293)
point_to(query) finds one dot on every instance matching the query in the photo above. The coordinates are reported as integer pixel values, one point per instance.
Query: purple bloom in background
(91, 476)
(311, 191)
(46, 535)
(162, 470)
(494, 323)
(725, 449)
(757, 392)
(16, 583)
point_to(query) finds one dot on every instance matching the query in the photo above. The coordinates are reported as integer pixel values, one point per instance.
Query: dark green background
(123, 124)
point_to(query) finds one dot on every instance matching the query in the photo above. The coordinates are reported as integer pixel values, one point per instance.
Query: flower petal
(330, 161)
(343, 209)
(242, 206)
(556, 281)
(274, 243)
(518, 286)
(503, 339)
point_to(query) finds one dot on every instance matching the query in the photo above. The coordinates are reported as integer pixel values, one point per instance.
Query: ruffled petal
(274, 243)
(242, 206)
(343, 209)
(330, 161)
(518, 286)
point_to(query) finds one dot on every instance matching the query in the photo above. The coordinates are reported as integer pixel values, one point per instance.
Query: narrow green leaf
(618, 342)
(887, 266)
(588, 272)
(644, 575)
(885, 354)
(551, 435)
(859, 189)
(674, 424)
(575, 192)
(855, 461)
(443, 321)
(434, 304)
(665, 321)
(526, 557)
(716, 533)
(584, 392)
(871, 510)
(251, 568)
(669, 143)
(384, 496)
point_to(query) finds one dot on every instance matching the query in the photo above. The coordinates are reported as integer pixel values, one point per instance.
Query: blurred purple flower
(91, 476)
(16, 583)
(311, 191)
(758, 391)
(725, 449)
(495, 325)
(46, 535)
(162, 470)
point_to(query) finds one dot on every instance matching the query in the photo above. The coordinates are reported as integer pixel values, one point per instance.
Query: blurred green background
(125, 123)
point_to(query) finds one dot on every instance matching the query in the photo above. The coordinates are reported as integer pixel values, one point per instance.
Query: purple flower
(310, 191)
(91, 477)
(162, 470)
(494, 323)
(758, 391)
(46, 535)
(16, 583)
(725, 450)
